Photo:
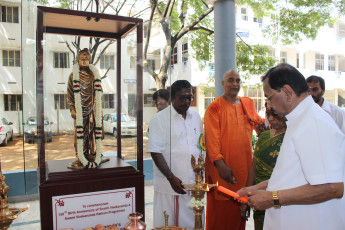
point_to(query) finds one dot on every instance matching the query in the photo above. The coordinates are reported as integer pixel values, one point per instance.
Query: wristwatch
(276, 203)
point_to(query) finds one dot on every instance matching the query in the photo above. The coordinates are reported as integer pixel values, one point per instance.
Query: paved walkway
(30, 220)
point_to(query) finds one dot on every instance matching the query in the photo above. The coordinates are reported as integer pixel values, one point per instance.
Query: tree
(177, 19)
(292, 20)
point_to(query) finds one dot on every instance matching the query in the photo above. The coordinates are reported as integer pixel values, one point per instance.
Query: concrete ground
(30, 220)
(16, 154)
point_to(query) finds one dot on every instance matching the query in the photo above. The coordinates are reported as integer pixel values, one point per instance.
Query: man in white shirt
(306, 188)
(317, 89)
(173, 138)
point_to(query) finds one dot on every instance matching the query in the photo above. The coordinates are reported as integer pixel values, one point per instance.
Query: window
(132, 62)
(9, 14)
(258, 20)
(174, 56)
(341, 30)
(60, 101)
(107, 61)
(283, 57)
(244, 15)
(209, 97)
(13, 102)
(11, 58)
(271, 53)
(319, 61)
(61, 60)
(148, 100)
(108, 101)
(331, 63)
(185, 53)
(297, 60)
(151, 64)
(273, 17)
(145, 29)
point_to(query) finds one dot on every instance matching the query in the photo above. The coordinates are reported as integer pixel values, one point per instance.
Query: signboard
(130, 80)
(85, 210)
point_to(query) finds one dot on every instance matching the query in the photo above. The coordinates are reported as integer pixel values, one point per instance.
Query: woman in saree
(265, 155)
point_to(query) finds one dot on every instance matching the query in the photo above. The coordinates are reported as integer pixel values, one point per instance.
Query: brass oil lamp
(198, 190)
(7, 215)
(166, 227)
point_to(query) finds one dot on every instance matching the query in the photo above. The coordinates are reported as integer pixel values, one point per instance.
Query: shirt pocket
(196, 137)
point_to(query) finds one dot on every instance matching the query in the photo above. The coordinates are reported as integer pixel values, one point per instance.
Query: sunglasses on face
(188, 97)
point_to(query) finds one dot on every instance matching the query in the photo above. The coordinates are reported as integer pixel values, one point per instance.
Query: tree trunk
(162, 76)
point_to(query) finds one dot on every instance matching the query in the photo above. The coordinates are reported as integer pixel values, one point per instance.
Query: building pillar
(224, 40)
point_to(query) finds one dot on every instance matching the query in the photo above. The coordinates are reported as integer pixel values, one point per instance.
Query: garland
(79, 116)
(194, 203)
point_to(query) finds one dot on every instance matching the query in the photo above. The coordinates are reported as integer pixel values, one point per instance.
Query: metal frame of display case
(53, 176)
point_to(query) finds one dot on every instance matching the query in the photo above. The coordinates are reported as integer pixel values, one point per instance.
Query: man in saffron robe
(229, 123)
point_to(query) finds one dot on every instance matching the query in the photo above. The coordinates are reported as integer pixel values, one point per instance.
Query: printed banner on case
(85, 210)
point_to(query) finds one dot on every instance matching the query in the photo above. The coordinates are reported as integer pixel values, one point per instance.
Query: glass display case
(122, 114)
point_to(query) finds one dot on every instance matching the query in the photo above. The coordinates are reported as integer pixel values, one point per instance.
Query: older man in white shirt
(173, 139)
(306, 188)
(317, 89)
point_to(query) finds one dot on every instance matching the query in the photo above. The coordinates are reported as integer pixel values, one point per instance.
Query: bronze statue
(84, 94)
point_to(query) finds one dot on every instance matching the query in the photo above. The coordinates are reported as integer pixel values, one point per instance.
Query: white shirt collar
(299, 109)
(326, 106)
(175, 113)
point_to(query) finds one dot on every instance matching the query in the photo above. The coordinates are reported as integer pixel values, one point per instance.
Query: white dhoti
(178, 209)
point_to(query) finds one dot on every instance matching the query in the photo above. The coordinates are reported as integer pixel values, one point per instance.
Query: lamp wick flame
(217, 183)
(207, 188)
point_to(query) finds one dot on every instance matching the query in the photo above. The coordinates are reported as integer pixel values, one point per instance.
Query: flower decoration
(197, 203)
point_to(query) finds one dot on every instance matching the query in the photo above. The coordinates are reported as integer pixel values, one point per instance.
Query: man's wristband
(276, 202)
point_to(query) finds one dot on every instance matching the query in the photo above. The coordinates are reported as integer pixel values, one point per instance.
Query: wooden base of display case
(114, 174)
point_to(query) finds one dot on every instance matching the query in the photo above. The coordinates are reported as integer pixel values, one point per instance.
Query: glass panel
(3, 13)
(9, 14)
(106, 57)
(17, 58)
(56, 60)
(15, 15)
(61, 60)
(5, 58)
(25, 130)
(112, 61)
(11, 58)
(129, 98)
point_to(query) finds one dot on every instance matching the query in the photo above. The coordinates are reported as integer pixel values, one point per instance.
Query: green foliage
(252, 60)
(206, 90)
(292, 20)
(200, 40)
(43, 2)
(66, 4)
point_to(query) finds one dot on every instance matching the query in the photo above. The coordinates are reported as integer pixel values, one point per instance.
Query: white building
(323, 57)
